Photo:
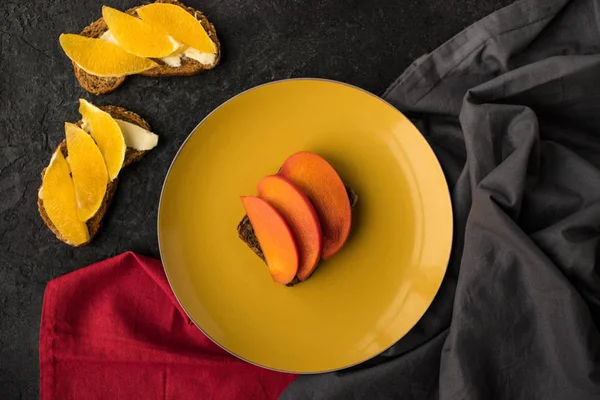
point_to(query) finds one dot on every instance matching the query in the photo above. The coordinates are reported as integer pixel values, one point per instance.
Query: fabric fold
(114, 330)
(511, 108)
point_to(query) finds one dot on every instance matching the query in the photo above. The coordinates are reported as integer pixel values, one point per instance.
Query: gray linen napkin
(511, 107)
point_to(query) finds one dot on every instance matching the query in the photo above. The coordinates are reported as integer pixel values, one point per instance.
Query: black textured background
(365, 43)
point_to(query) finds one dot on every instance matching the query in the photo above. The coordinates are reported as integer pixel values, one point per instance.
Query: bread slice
(131, 155)
(246, 233)
(102, 85)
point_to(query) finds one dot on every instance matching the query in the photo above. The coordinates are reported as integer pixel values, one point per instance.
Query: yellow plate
(367, 296)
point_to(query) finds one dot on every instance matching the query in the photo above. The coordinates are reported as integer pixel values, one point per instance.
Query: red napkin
(114, 330)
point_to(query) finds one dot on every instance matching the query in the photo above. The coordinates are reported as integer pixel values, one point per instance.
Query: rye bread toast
(131, 155)
(102, 85)
(246, 233)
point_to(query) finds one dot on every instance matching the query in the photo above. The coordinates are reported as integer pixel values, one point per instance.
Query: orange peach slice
(275, 238)
(297, 210)
(326, 191)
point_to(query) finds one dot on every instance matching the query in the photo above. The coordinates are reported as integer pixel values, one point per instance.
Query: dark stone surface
(365, 43)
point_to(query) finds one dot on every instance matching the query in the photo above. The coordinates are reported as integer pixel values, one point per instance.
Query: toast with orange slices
(137, 42)
(62, 207)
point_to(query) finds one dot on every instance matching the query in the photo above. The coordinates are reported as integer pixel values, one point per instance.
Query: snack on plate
(165, 38)
(301, 215)
(80, 181)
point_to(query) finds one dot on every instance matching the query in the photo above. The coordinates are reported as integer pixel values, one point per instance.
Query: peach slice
(324, 188)
(297, 210)
(275, 238)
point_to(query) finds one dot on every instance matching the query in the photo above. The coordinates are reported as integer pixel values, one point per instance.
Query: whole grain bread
(131, 155)
(246, 233)
(102, 85)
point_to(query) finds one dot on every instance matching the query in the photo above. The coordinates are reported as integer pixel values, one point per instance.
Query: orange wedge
(178, 23)
(60, 202)
(107, 134)
(102, 58)
(136, 36)
(88, 169)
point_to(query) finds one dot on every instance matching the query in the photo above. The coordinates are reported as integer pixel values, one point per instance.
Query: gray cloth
(511, 107)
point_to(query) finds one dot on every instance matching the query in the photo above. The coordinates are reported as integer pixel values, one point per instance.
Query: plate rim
(448, 198)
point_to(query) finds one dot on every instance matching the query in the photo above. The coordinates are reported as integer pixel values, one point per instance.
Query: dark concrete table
(365, 43)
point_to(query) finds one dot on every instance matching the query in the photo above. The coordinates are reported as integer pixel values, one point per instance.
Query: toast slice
(102, 85)
(246, 233)
(131, 155)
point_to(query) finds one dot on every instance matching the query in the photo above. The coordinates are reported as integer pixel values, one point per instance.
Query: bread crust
(102, 85)
(131, 155)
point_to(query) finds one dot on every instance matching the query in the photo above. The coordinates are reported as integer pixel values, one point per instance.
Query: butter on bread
(101, 85)
(131, 155)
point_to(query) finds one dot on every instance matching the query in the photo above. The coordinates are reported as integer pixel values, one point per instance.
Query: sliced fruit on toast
(131, 155)
(184, 64)
(247, 235)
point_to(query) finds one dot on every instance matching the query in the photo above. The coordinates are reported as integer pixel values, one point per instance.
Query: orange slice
(136, 36)
(88, 169)
(60, 202)
(107, 134)
(102, 58)
(178, 23)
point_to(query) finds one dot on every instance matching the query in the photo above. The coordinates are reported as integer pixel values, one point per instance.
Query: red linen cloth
(114, 330)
